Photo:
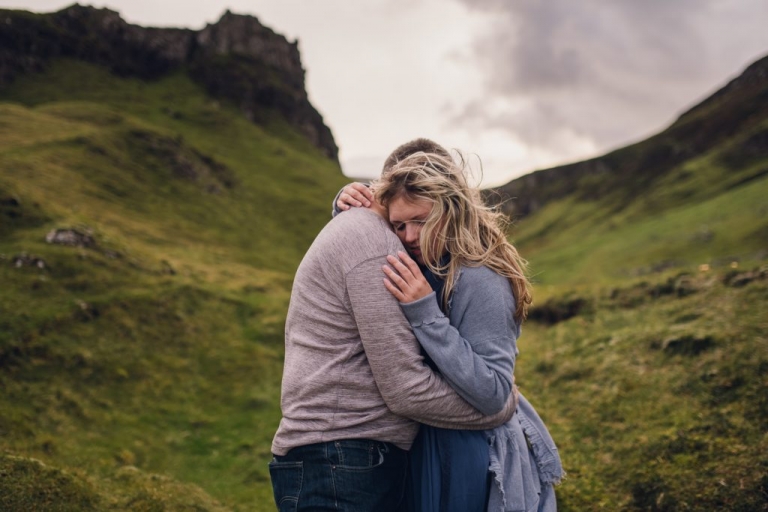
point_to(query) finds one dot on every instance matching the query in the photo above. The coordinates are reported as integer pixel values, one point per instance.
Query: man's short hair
(420, 145)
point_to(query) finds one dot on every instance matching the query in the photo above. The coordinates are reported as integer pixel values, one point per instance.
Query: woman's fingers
(346, 201)
(412, 265)
(411, 286)
(361, 192)
(394, 290)
(341, 204)
(356, 194)
(396, 279)
(398, 265)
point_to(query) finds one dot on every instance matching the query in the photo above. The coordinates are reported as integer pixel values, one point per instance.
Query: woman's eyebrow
(417, 218)
(421, 216)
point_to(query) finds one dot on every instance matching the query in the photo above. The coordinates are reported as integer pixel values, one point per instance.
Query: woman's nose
(411, 234)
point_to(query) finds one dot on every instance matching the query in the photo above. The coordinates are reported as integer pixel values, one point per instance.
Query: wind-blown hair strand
(459, 224)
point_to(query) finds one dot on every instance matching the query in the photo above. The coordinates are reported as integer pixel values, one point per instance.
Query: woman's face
(407, 219)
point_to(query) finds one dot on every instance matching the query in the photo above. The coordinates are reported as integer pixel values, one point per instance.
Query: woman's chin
(417, 257)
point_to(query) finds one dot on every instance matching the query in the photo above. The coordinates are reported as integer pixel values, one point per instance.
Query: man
(355, 385)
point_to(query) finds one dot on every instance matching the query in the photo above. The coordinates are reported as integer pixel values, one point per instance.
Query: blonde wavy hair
(459, 224)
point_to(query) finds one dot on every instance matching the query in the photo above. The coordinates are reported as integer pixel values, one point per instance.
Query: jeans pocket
(359, 455)
(372, 473)
(287, 478)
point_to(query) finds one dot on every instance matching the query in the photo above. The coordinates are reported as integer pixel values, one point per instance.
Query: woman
(465, 296)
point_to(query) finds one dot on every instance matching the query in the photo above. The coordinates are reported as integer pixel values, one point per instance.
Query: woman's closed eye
(401, 226)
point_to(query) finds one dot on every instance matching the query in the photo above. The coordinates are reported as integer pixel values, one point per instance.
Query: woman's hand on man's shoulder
(354, 195)
(404, 279)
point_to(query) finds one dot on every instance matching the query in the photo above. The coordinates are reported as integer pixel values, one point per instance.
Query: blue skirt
(448, 471)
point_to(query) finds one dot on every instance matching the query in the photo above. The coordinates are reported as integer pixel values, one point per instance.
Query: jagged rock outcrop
(237, 58)
(739, 107)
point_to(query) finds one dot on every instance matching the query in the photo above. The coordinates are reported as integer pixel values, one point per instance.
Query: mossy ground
(657, 402)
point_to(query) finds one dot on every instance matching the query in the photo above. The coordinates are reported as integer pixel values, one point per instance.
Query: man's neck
(379, 210)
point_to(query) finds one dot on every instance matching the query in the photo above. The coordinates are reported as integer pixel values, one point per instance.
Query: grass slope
(647, 348)
(656, 396)
(730, 227)
(142, 371)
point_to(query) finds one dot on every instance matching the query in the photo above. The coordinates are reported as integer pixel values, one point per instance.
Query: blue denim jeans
(357, 475)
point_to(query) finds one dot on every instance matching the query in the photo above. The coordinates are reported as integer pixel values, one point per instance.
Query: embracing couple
(398, 390)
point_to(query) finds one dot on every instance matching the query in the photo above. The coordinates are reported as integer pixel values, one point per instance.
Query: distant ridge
(731, 116)
(236, 58)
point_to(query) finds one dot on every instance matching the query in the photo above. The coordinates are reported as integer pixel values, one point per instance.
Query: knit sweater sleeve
(408, 386)
(477, 356)
(335, 210)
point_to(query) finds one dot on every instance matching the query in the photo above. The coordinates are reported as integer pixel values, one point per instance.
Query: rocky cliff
(741, 107)
(236, 59)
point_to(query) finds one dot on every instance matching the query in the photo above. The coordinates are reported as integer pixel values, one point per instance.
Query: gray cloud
(604, 71)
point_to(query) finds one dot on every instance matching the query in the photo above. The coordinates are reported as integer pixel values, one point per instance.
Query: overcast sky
(522, 84)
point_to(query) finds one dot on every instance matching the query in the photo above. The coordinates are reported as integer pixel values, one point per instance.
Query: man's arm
(409, 387)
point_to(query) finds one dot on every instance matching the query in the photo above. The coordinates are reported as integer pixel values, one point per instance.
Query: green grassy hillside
(655, 391)
(575, 243)
(647, 351)
(647, 346)
(141, 370)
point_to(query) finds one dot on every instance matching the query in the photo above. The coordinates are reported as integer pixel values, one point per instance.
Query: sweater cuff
(422, 311)
(335, 210)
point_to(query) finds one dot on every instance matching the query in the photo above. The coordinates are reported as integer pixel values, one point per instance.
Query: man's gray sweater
(353, 367)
